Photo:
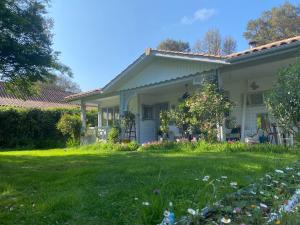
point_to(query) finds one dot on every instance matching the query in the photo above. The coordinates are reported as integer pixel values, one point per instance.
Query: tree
(26, 54)
(208, 108)
(275, 24)
(213, 44)
(229, 45)
(63, 83)
(283, 100)
(173, 45)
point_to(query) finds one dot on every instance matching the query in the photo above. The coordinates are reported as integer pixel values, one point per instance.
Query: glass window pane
(110, 116)
(104, 117)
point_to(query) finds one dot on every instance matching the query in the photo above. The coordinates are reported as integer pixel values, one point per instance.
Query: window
(255, 98)
(110, 116)
(147, 112)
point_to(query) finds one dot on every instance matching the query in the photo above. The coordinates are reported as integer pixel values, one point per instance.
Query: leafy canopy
(208, 107)
(284, 99)
(275, 24)
(173, 45)
(26, 54)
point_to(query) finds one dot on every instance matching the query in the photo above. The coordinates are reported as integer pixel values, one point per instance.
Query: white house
(157, 80)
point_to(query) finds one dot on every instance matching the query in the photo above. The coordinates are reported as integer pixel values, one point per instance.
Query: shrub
(131, 146)
(70, 126)
(35, 128)
(114, 135)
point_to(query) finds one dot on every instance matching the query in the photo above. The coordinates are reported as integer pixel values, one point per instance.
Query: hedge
(34, 128)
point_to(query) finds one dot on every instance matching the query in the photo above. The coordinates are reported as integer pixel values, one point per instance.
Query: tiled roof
(265, 47)
(48, 98)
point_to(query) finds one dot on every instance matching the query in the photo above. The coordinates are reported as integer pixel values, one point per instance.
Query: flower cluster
(264, 202)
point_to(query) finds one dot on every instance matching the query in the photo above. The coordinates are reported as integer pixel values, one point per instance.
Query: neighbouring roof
(223, 59)
(48, 98)
(265, 47)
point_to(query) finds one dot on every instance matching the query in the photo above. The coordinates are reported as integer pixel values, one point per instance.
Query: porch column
(221, 127)
(243, 117)
(99, 115)
(83, 114)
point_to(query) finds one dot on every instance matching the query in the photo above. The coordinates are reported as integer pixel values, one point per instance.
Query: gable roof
(48, 98)
(200, 57)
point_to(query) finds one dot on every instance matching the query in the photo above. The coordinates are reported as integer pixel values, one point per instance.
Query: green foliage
(203, 146)
(284, 99)
(208, 108)
(70, 126)
(26, 45)
(173, 45)
(119, 147)
(114, 135)
(34, 128)
(275, 24)
(164, 123)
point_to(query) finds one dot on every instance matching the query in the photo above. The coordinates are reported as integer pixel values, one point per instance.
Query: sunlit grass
(89, 186)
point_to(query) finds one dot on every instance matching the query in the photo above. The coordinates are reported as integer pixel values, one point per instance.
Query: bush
(121, 147)
(70, 126)
(34, 128)
(113, 135)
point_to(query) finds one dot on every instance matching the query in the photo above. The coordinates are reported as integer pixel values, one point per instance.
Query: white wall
(161, 69)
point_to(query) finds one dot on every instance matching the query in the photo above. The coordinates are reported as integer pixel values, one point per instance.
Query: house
(157, 79)
(48, 98)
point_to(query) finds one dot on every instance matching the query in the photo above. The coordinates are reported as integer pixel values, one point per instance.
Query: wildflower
(225, 220)
(278, 222)
(237, 210)
(262, 205)
(196, 179)
(268, 176)
(206, 178)
(233, 184)
(298, 173)
(279, 171)
(289, 168)
(261, 192)
(170, 204)
(145, 203)
(136, 198)
(224, 177)
(276, 197)
(191, 211)
(252, 192)
(253, 206)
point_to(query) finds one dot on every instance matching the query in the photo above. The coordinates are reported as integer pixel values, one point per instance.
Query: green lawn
(88, 186)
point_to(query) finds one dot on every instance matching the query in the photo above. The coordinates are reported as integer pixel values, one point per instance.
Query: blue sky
(99, 38)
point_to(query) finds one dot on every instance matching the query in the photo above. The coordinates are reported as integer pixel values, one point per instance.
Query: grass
(90, 186)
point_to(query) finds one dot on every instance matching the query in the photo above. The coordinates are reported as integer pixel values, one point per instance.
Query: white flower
(279, 171)
(145, 203)
(289, 168)
(196, 179)
(233, 184)
(261, 192)
(206, 178)
(283, 184)
(171, 204)
(268, 176)
(136, 198)
(191, 211)
(225, 220)
(252, 192)
(262, 205)
(298, 173)
(224, 177)
(276, 197)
